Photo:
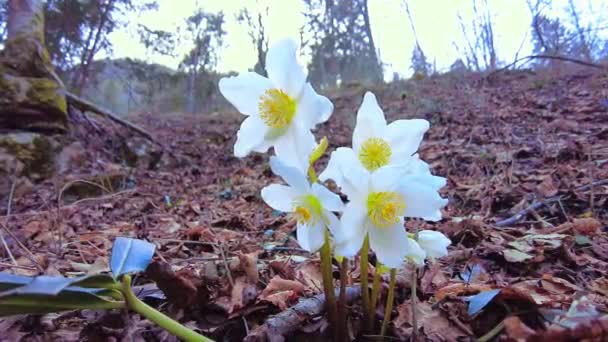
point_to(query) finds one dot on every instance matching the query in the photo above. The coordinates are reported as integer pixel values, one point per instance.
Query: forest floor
(517, 142)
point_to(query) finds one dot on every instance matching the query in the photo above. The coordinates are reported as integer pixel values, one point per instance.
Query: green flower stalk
(157, 317)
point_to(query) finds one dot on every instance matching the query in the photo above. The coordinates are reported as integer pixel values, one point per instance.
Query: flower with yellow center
(378, 203)
(311, 205)
(377, 144)
(281, 109)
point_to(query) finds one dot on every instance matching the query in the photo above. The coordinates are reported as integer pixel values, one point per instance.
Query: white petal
(250, 137)
(292, 176)
(370, 121)
(352, 223)
(421, 201)
(295, 146)
(349, 248)
(415, 253)
(434, 243)
(341, 159)
(427, 179)
(244, 91)
(312, 108)
(404, 136)
(279, 197)
(390, 244)
(329, 200)
(387, 178)
(333, 223)
(356, 183)
(283, 68)
(311, 237)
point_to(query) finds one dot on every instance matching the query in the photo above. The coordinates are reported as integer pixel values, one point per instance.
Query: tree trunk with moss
(32, 97)
(33, 107)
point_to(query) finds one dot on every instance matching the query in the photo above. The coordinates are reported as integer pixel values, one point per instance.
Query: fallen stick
(290, 320)
(87, 106)
(520, 215)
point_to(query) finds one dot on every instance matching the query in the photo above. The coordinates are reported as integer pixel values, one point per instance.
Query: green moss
(35, 151)
(46, 92)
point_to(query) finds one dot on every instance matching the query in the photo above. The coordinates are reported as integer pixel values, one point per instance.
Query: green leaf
(104, 281)
(130, 255)
(480, 300)
(43, 294)
(65, 300)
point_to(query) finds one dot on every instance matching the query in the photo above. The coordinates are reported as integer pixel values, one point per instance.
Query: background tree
(206, 33)
(257, 33)
(339, 37)
(479, 50)
(420, 65)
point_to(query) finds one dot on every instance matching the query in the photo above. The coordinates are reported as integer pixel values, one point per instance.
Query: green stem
(389, 302)
(375, 294)
(157, 317)
(342, 312)
(414, 304)
(364, 280)
(328, 283)
(414, 295)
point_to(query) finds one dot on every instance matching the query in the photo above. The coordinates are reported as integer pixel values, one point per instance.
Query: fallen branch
(87, 106)
(559, 58)
(290, 320)
(520, 215)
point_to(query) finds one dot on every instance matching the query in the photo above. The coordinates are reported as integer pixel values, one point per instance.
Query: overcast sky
(436, 23)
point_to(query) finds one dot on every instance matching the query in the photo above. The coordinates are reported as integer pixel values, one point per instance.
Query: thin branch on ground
(559, 58)
(87, 106)
(292, 319)
(520, 215)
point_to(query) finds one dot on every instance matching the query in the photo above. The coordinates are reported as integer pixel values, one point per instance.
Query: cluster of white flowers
(381, 174)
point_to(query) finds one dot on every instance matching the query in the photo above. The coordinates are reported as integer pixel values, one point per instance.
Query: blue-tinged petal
(280, 197)
(291, 175)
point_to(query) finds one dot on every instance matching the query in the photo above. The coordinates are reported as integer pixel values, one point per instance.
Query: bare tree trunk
(85, 63)
(372, 45)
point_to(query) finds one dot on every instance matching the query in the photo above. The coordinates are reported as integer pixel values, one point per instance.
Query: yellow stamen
(374, 153)
(307, 209)
(277, 109)
(385, 208)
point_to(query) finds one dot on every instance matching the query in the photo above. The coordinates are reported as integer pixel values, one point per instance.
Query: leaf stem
(328, 283)
(414, 304)
(157, 317)
(374, 297)
(342, 312)
(364, 280)
(389, 302)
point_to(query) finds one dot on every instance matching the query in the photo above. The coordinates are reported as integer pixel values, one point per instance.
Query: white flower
(312, 206)
(378, 203)
(415, 254)
(377, 144)
(434, 243)
(281, 109)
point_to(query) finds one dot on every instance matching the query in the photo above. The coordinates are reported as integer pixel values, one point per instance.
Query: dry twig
(291, 319)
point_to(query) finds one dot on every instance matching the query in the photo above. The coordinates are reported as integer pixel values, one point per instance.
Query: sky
(436, 22)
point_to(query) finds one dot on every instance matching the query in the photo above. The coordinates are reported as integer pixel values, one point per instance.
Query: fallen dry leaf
(281, 292)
